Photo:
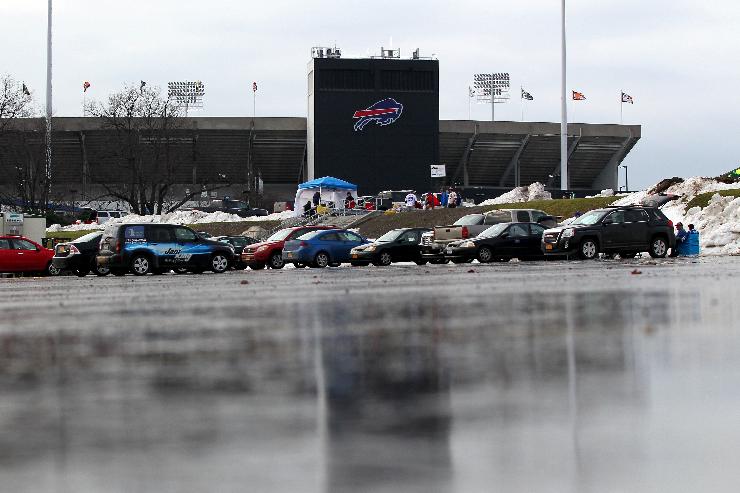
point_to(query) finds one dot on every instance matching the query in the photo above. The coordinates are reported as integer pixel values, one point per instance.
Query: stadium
(373, 122)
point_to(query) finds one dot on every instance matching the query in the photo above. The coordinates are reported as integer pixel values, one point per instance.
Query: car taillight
(303, 244)
(670, 223)
(118, 246)
(465, 232)
(73, 249)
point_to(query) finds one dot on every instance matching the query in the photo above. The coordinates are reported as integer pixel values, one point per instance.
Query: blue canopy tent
(330, 189)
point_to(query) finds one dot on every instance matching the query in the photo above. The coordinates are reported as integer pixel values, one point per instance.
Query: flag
(526, 95)
(626, 98)
(85, 86)
(254, 87)
(141, 88)
(25, 90)
(578, 96)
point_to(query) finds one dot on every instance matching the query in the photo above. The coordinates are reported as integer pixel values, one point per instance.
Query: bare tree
(148, 146)
(15, 101)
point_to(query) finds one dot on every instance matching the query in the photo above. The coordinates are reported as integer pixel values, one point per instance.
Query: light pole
(626, 179)
(563, 108)
(47, 188)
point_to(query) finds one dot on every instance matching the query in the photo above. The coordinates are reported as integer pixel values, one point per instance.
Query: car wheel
(276, 261)
(589, 249)
(81, 272)
(257, 266)
(485, 255)
(625, 255)
(141, 265)
(658, 248)
(420, 262)
(52, 270)
(384, 259)
(101, 271)
(219, 263)
(321, 260)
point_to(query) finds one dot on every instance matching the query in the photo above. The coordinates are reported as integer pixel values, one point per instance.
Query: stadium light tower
(563, 108)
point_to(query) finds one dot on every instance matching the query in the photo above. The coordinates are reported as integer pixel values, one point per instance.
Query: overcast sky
(678, 59)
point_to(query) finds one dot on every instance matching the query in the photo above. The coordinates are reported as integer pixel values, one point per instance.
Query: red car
(19, 254)
(270, 252)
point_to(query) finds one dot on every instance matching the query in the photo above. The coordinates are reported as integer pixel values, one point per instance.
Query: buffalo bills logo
(383, 112)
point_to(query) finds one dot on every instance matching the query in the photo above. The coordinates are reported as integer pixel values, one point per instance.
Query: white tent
(330, 189)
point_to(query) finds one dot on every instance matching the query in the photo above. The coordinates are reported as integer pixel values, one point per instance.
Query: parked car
(78, 255)
(322, 248)
(397, 245)
(239, 243)
(157, 248)
(270, 251)
(471, 225)
(238, 207)
(20, 254)
(621, 230)
(499, 242)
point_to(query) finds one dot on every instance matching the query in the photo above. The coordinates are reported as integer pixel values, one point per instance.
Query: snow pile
(535, 191)
(609, 192)
(177, 217)
(718, 224)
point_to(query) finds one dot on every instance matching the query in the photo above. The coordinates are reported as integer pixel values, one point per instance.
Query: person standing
(452, 199)
(411, 200)
(443, 198)
(316, 198)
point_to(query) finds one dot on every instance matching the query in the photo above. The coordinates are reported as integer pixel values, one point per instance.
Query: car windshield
(494, 230)
(590, 217)
(469, 220)
(390, 236)
(280, 235)
(88, 237)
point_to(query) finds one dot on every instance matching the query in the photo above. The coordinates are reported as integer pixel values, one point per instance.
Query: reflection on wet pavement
(599, 382)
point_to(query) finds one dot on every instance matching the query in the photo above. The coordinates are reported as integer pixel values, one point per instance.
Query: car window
(634, 216)
(411, 237)
(330, 237)
(617, 217)
(469, 220)
(537, 215)
(134, 232)
(522, 216)
(536, 229)
(4, 244)
(160, 234)
(184, 234)
(19, 244)
(348, 236)
(517, 230)
(102, 214)
(497, 218)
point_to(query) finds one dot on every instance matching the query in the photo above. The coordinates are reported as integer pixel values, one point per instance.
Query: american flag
(578, 96)
(85, 86)
(626, 98)
(527, 96)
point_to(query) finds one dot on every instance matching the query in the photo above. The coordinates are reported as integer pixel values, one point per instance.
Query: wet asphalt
(605, 376)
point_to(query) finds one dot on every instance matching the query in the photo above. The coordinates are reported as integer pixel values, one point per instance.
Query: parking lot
(600, 376)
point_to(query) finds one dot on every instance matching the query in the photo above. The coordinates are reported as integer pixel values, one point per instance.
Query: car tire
(485, 255)
(383, 259)
(257, 266)
(588, 249)
(321, 260)
(658, 247)
(81, 272)
(276, 261)
(51, 270)
(141, 265)
(219, 263)
(420, 262)
(101, 271)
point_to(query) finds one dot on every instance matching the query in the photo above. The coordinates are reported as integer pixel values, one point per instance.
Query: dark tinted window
(184, 234)
(497, 218)
(516, 230)
(411, 237)
(4, 244)
(330, 237)
(633, 216)
(536, 229)
(131, 232)
(537, 215)
(616, 217)
(160, 234)
(522, 216)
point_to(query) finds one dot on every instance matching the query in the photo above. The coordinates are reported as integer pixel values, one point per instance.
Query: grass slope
(702, 200)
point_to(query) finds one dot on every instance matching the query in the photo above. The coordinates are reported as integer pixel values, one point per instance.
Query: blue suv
(158, 248)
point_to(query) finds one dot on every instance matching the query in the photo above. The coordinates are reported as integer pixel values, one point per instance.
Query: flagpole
(469, 98)
(47, 187)
(621, 105)
(563, 106)
(521, 101)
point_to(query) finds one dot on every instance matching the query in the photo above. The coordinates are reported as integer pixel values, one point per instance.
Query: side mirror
(505, 234)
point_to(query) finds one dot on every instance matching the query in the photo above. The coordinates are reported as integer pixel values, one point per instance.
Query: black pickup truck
(238, 207)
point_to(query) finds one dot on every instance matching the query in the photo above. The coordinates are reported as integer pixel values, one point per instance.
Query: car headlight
(371, 248)
(567, 233)
(467, 244)
(261, 249)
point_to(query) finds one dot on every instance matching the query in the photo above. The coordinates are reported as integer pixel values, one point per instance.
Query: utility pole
(47, 187)
(563, 109)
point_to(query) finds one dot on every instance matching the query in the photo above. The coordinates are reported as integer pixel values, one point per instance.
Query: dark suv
(158, 248)
(623, 230)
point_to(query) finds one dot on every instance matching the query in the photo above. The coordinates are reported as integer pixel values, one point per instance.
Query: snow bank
(177, 217)
(609, 192)
(535, 191)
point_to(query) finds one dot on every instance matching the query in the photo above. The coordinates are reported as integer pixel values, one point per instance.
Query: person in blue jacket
(692, 241)
(681, 235)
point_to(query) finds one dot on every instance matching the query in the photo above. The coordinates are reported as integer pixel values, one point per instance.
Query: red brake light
(118, 246)
(670, 223)
(465, 232)
(73, 249)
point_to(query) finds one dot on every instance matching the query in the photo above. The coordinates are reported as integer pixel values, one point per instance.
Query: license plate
(354, 255)
(548, 247)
